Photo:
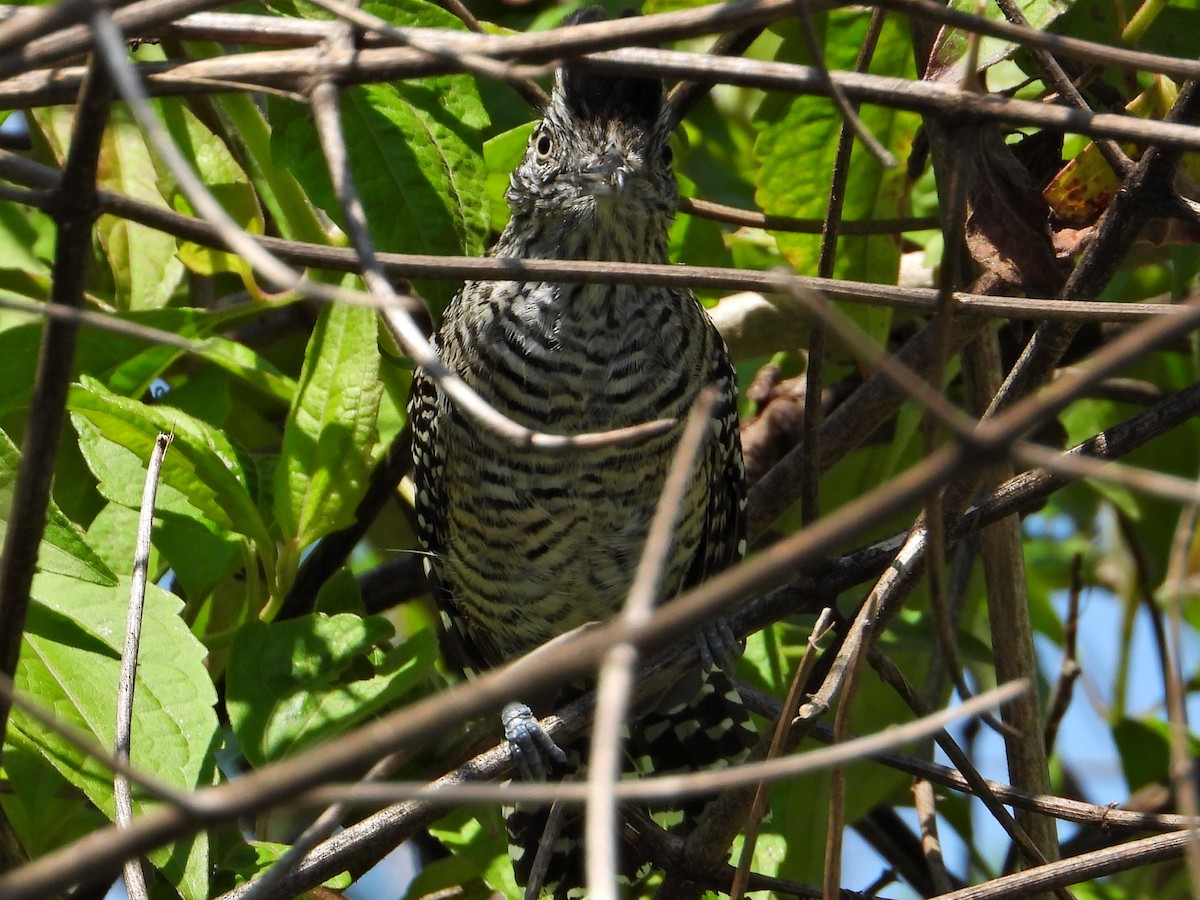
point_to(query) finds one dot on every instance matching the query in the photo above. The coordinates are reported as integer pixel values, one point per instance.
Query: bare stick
(135, 881)
(1181, 754)
(619, 666)
(1068, 672)
(75, 213)
(926, 806)
(779, 739)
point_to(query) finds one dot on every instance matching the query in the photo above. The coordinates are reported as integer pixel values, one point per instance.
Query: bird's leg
(718, 645)
(529, 744)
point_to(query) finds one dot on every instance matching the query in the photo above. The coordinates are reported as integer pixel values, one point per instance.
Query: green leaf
(64, 550)
(70, 660)
(42, 807)
(223, 176)
(501, 154)
(1145, 749)
(952, 48)
(796, 150)
(331, 431)
(292, 684)
(201, 463)
(145, 269)
(414, 154)
(26, 234)
(250, 368)
(340, 594)
(126, 364)
(478, 840)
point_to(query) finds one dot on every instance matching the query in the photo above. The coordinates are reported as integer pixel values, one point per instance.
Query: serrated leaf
(201, 464)
(501, 154)
(1086, 185)
(145, 269)
(414, 154)
(223, 177)
(64, 550)
(331, 431)
(951, 50)
(41, 806)
(70, 660)
(796, 149)
(126, 364)
(250, 368)
(291, 684)
(25, 233)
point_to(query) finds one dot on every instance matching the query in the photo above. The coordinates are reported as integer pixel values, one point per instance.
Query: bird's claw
(719, 646)
(529, 744)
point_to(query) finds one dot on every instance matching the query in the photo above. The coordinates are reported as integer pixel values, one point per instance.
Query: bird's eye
(543, 146)
(668, 155)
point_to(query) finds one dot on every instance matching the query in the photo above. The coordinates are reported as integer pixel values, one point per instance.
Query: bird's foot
(530, 745)
(719, 646)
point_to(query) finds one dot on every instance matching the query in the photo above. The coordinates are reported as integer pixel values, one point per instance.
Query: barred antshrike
(526, 545)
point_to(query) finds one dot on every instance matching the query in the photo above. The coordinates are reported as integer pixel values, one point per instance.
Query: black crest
(597, 95)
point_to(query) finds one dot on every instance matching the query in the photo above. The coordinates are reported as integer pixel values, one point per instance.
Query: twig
(1182, 772)
(926, 806)
(1068, 671)
(720, 212)
(135, 881)
(402, 266)
(74, 212)
(850, 118)
(1078, 869)
(779, 738)
(617, 670)
(290, 69)
(894, 678)
(675, 786)
(1011, 626)
(546, 846)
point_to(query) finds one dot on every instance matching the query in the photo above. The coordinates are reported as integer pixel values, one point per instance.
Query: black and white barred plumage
(525, 545)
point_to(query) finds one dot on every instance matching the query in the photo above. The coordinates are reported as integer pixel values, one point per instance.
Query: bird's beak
(609, 174)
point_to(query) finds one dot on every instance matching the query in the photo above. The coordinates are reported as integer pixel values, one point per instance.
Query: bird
(523, 545)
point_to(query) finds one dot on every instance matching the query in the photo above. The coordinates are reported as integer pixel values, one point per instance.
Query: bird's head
(601, 156)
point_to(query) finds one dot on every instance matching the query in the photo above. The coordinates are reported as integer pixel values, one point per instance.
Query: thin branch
(135, 881)
(1182, 768)
(290, 70)
(1068, 670)
(1078, 869)
(894, 678)
(252, 29)
(779, 740)
(408, 266)
(74, 212)
(675, 786)
(618, 669)
(925, 803)
(720, 212)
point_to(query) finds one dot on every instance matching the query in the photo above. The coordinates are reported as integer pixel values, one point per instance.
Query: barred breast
(536, 544)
